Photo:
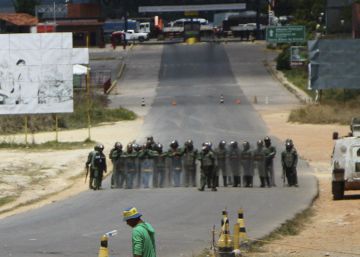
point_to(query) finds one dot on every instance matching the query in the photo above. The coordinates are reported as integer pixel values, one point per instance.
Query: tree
(25, 6)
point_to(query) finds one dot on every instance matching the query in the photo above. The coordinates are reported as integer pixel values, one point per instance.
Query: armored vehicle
(345, 161)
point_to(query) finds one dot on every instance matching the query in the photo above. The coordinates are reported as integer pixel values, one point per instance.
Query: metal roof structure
(191, 8)
(19, 19)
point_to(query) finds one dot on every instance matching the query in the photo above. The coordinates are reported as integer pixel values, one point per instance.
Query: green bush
(78, 119)
(283, 60)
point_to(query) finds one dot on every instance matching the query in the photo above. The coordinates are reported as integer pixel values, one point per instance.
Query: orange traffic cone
(173, 103)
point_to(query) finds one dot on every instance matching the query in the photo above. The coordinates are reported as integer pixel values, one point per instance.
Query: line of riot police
(148, 165)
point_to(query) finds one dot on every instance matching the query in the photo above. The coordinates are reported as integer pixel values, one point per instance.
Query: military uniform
(175, 156)
(234, 163)
(118, 177)
(147, 166)
(289, 159)
(98, 161)
(221, 155)
(90, 169)
(130, 158)
(189, 158)
(270, 152)
(159, 168)
(247, 166)
(207, 165)
(259, 164)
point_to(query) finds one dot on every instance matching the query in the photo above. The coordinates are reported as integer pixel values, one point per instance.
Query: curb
(279, 76)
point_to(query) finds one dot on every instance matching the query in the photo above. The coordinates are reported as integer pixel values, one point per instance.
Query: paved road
(193, 76)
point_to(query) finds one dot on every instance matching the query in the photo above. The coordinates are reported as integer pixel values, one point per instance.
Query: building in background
(338, 16)
(356, 20)
(17, 22)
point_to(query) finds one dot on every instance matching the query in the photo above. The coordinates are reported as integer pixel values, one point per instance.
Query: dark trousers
(224, 180)
(159, 177)
(98, 176)
(207, 176)
(248, 181)
(265, 181)
(190, 175)
(291, 176)
(237, 181)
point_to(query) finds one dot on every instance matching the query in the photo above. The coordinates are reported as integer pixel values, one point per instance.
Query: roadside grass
(7, 199)
(48, 145)
(12, 124)
(299, 77)
(289, 228)
(331, 112)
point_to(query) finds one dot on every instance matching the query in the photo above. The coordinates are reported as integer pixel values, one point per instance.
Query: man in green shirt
(143, 234)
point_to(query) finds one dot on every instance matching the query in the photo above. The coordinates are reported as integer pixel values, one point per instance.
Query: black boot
(237, 181)
(250, 181)
(262, 182)
(225, 181)
(216, 181)
(267, 179)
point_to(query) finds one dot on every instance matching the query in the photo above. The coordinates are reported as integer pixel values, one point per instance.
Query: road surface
(194, 77)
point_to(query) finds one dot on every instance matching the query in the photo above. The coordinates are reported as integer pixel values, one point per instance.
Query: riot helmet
(246, 145)
(189, 145)
(136, 147)
(150, 139)
(222, 144)
(267, 141)
(260, 144)
(233, 144)
(118, 145)
(159, 148)
(129, 148)
(174, 144)
(289, 140)
(101, 147)
(205, 148)
(289, 144)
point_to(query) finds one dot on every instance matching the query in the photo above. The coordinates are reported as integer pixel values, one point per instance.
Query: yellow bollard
(191, 41)
(225, 243)
(104, 251)
(242, 230)
(236, 236)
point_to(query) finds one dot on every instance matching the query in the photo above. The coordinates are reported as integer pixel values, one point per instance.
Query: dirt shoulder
(333, 230)
(37, 178)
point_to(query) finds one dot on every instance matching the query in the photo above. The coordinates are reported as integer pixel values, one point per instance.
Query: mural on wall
(36, 73)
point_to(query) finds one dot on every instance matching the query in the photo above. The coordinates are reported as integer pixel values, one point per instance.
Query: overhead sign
(36, 72)
(191, 8)
(285, 34)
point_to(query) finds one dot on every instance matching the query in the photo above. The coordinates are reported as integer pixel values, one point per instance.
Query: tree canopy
(25, 6)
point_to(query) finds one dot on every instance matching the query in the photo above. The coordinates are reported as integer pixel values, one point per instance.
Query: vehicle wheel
(141, 39)
(338, 190)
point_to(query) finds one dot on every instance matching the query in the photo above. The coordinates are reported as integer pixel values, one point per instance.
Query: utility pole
(126, 23)
(257, 36)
